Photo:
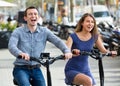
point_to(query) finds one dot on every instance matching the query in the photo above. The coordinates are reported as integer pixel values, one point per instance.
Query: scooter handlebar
(42, 60)
(95, 53)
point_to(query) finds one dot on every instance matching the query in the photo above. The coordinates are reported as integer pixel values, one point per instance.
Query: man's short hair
(31, 7)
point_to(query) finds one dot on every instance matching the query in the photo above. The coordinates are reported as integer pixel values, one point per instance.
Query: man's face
(31, 17)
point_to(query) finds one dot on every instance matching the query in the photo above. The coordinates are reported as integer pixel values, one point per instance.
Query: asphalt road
(111, 68)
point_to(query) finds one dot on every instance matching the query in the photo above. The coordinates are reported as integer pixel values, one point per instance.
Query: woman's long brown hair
(79, 27)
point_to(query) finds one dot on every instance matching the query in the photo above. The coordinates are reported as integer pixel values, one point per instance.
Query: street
(111, 68)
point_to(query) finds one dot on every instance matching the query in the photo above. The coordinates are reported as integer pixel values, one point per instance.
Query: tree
(10, 0)
(72, 4)
(36, 3)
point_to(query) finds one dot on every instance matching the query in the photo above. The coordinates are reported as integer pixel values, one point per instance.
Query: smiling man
(29, 41)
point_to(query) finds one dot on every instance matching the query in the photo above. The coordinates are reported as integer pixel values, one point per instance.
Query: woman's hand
(76, 52)
(114, 53)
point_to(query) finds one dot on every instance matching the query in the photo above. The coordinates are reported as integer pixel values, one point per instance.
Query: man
(29, 41)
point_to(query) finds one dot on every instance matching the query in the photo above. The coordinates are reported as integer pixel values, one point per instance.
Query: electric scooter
(44, 60)
(96, 54)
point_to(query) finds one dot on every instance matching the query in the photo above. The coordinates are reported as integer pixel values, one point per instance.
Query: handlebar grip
(82, 53)
(31, 58)
(73, 52)
(109, 54)
(60, 57)
(19, 57)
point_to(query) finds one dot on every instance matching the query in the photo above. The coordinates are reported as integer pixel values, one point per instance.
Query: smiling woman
(86, 35)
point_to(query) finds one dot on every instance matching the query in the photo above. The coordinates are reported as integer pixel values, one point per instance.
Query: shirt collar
(27, 30)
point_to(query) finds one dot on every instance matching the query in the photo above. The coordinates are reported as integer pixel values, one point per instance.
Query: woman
(86, 35)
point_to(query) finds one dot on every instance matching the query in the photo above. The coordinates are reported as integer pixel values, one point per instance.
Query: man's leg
(21, 76)
(38, 78)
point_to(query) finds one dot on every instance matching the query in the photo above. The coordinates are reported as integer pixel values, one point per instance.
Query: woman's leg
(82, 79)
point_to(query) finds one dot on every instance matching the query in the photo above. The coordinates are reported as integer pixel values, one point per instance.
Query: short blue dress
(79, 64)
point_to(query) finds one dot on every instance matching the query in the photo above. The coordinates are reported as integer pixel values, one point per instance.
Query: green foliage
(101, 1)
(9, 0)
(35, 3)
(7, 26)
(11, 27)
(2, 26)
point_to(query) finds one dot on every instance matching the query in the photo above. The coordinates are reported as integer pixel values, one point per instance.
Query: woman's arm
(100, 46)
(69, 42)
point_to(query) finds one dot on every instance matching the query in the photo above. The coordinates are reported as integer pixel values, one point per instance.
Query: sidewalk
(6, 67)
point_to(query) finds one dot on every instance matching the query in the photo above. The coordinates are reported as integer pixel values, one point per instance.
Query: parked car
(77, 17)
(118, 16)
(100, 12)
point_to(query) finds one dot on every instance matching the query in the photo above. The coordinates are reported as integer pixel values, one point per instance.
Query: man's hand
(25, 56)
(68, 55)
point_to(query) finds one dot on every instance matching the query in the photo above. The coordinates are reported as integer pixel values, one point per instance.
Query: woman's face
(88, 24)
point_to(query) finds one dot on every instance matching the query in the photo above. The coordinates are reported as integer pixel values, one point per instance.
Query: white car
(100, 12)
(77, 17)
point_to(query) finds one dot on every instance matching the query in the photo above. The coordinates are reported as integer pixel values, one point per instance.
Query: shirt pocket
(39, 41)
(25, 38)
(25, 42)
(39, 38)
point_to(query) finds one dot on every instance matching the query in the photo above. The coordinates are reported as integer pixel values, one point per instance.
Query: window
(101, 14)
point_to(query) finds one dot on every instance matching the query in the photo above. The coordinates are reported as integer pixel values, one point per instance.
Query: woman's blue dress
(79, 64)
